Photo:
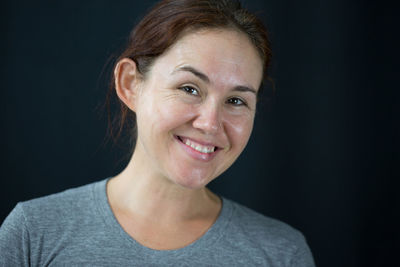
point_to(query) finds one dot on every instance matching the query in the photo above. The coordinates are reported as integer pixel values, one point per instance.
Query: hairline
(200, 28)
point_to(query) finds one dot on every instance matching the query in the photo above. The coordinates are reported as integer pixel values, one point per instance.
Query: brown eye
(236, 101)
(190, 90)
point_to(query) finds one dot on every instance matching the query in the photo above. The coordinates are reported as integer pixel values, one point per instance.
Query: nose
(208, 119)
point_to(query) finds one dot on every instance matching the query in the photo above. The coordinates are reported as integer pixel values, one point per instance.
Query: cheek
(166, 113)
(239, 129)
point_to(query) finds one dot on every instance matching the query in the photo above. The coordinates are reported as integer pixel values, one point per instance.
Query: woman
(190, 76)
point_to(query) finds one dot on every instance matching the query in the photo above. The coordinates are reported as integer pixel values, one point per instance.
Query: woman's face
(195, 108)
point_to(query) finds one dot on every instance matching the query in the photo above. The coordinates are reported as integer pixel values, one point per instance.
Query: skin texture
(203, 88)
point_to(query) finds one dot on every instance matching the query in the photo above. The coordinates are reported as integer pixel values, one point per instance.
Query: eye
(190, 90)
(236, 101)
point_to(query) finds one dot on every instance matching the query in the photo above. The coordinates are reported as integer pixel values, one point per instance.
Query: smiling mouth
(206, 149)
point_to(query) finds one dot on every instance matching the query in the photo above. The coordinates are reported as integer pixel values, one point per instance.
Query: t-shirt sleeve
(303, 256)
(14, 239)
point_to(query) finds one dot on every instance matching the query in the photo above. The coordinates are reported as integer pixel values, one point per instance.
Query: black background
(324, 156)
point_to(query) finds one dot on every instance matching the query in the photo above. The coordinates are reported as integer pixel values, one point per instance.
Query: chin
(193, 180)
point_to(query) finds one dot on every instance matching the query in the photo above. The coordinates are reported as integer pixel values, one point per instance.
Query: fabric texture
(77, 228)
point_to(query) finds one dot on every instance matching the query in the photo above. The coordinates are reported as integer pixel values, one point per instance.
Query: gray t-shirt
(78, 228)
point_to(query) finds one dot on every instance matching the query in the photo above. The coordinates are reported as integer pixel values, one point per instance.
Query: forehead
(223, 55)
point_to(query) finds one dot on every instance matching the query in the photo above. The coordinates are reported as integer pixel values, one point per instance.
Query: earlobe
(127, 82)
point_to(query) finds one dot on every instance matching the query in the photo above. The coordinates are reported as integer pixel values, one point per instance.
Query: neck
(144, 192)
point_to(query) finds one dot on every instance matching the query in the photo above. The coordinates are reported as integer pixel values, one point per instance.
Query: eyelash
(243, 103)
(189, 90)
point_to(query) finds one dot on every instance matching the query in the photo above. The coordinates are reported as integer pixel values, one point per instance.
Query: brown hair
(163, 26)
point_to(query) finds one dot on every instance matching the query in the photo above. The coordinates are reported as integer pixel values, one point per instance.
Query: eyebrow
(195, 72)
(202, 76)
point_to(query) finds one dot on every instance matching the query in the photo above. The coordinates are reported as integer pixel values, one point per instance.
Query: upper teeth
(200, 148)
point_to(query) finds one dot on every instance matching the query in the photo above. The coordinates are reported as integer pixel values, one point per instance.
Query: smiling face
(195, 108)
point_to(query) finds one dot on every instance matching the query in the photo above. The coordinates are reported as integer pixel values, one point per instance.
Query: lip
(205, 157)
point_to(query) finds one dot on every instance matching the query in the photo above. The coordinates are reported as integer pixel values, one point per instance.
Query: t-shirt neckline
(209, 238)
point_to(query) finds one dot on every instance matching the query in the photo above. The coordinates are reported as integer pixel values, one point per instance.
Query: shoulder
(39, 225)
(255, 223)
(69, 198)
(44, 211)
(265, 233)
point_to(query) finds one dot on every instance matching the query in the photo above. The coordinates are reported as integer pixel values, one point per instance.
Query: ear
(127, 81)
